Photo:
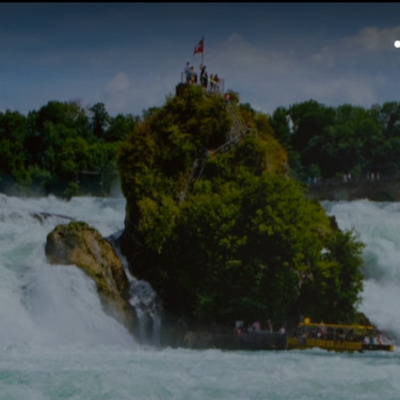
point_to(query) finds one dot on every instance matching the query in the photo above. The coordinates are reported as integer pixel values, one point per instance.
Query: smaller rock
(79, 244)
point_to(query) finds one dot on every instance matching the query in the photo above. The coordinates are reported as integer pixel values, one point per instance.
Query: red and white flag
(200, 47)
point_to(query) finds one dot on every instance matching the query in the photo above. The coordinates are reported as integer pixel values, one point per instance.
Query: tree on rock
(245, 243)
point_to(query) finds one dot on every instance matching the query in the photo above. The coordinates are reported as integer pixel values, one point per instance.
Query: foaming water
(378, 227)
(57, 343)
(42, 303)
(118, 374)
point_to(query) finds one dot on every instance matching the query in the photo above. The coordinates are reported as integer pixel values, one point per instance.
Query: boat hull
(335, 345)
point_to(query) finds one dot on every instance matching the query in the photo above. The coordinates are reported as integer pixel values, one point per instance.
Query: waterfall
(58, 304)
(378, 227)
(47, 304)
(147, 307)
(144, 300)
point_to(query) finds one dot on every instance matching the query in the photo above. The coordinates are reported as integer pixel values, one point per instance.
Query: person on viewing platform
(194, 75)
(226, 98)
(188, 73)
(203, 76)
(212, 82)
(217, 82)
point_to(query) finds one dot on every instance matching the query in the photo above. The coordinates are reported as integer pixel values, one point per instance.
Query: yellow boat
(338, 337)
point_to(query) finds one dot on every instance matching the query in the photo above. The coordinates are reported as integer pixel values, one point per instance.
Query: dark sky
(130, 55)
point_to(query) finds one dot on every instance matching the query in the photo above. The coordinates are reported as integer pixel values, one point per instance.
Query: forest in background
(62, 149)
(327, 143)
(67, 150)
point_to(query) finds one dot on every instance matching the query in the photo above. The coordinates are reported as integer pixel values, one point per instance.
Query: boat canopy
(308, 324)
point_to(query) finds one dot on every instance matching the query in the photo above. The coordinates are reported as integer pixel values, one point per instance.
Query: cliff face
(80, 245)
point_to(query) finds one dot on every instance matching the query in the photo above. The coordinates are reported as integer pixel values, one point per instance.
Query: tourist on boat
(256, 326)
(379, 338)
(239, 327)
(322, 330)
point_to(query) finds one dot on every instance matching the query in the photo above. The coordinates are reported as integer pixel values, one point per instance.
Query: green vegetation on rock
(244, 243)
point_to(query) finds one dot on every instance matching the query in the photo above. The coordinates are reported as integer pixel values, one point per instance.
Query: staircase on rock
(238, 132)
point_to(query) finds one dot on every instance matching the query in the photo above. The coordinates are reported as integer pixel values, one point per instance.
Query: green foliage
(100, 120)
(120, 126)
(157, 220)
(336, 284)
(71, 190)
(155, 160)
(280, 124)
(59, 149)
(245, 243)
(342, 140)
(253, 250)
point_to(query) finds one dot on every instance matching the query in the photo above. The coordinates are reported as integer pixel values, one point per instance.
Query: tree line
(330, 142)
(67, 150)
(62, 149)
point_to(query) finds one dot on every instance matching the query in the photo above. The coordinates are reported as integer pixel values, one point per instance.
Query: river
(57, 343)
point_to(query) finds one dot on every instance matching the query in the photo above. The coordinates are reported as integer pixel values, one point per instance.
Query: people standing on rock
(226, 98)
(212, 83)
(188, 73)
(194, 75)
(217, 82)
(203, 77)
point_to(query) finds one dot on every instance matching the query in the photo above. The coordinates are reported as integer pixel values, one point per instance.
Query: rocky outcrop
(80, 245)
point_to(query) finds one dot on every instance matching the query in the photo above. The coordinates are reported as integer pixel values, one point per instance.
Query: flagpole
(202, 53)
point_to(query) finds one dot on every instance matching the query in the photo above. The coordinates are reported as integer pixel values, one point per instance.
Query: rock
(79, 244)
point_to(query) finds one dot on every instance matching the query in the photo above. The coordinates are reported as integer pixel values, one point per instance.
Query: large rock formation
(81, 245)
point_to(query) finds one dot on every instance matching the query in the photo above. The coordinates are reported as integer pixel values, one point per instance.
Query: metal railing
(212, 86)
(237, 132)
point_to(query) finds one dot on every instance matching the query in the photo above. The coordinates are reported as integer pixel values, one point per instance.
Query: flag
(199, 48)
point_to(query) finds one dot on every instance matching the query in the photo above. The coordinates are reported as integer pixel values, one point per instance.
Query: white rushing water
(47, 304)
(378, 226)
(57, 343)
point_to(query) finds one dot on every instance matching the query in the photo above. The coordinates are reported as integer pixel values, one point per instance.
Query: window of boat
(330, 333)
